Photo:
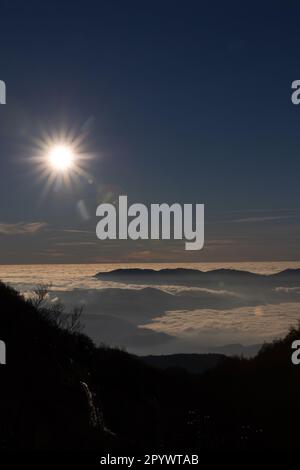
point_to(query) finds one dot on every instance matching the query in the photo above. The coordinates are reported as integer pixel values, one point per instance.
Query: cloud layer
(169, 317)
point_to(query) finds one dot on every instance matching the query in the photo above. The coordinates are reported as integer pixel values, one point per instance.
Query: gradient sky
(181, 101)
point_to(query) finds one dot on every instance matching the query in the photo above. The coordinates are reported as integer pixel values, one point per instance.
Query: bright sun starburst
(60, 160)
(61, 157)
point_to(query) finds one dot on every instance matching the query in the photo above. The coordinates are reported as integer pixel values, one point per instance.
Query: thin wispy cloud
(21, 228)
(221, 242)
(270, 218)
(71, 230)
(266, 211)
(79, 243)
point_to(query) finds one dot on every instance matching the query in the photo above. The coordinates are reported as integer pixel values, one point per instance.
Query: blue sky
(183, 102)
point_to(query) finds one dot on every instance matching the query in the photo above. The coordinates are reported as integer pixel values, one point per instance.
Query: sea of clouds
(164, 318)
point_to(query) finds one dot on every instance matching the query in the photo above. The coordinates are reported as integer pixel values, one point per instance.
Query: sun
(61, 157)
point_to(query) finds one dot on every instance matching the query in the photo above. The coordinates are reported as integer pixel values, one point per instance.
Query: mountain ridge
(222, 275)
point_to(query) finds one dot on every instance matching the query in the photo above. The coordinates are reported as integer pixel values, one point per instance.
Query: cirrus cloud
(22, 228)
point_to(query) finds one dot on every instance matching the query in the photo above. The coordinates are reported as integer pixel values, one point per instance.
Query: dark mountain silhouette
(201, 278)
(180, 273)
(237, 350)
(193, 363)
(45, 399)
(59, 391)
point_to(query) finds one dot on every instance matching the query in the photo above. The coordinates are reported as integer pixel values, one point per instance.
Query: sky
(185, 102)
